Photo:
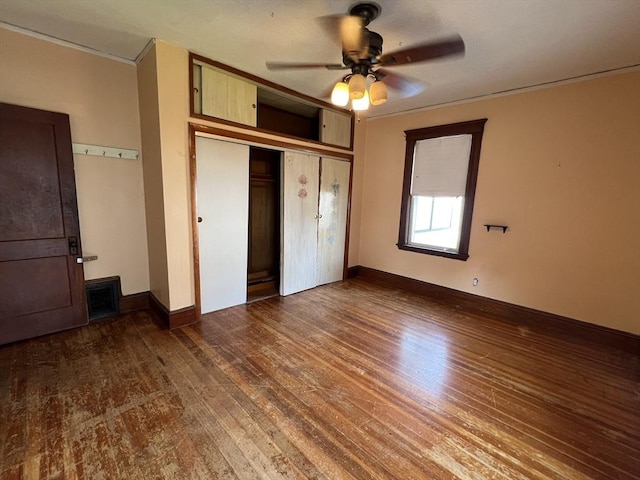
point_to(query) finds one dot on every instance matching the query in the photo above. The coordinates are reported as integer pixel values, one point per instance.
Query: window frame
(475, 128)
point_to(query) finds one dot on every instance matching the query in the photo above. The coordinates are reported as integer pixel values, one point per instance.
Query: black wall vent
(103, 297)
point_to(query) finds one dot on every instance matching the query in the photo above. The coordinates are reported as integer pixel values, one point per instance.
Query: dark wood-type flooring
(346, 381)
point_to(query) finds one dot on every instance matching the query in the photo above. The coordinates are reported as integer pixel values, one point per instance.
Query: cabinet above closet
(222, 93)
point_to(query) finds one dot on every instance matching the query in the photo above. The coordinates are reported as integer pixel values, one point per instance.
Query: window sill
(438, 253)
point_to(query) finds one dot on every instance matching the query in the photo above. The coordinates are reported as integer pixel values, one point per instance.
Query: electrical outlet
(475, 282)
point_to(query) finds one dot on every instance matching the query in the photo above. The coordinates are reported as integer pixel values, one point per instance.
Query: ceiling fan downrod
(368, 11)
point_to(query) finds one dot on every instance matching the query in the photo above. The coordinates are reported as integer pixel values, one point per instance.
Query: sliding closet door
(222, 170)
(332, 224)
(299, 222)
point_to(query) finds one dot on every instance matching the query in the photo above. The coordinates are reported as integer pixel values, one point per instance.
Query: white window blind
(440, 166)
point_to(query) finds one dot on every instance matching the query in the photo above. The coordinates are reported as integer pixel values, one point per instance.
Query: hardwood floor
(345, 381)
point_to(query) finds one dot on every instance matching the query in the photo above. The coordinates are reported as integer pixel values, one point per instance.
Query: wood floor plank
(346, 381)
(469, 402)
(312, 390)
(365, 392)
(220, 412)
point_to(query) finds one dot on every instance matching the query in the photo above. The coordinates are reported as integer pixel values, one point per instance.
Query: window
(440, 173)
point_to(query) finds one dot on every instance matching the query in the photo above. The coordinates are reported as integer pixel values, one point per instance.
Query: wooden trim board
(147, 300)
(353, 272)
(133, 302)
(174, 319)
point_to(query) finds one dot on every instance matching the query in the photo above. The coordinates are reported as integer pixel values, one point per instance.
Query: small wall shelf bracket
(490, 226)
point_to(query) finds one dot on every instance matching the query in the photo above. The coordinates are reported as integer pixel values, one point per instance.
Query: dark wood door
(41, 285)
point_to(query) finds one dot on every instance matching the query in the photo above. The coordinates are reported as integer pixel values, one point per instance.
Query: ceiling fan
(362, 55)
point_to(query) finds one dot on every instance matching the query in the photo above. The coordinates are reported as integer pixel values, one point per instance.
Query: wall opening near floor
(103, 297)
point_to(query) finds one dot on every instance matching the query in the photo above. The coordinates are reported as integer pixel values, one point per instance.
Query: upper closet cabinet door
(229, 98)
(332, 222)
(336, 128)
(299, 222)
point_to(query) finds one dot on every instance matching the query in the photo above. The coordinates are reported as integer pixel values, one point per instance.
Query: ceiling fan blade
(453, 45)
(350, 32)
(352, 36)
(405, 85)
(299, 66)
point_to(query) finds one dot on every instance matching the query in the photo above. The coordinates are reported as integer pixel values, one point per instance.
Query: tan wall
(559, 166)
(152, 162)
(173, 98)
(100, 97)
(359, 146)
(164, 103)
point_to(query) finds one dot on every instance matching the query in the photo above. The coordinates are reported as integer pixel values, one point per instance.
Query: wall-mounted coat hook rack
(490, 226)
(111, 152)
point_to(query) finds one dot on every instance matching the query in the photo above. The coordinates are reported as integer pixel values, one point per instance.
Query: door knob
(86, 258)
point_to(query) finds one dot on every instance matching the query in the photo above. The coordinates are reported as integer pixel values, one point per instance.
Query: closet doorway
(263, 265)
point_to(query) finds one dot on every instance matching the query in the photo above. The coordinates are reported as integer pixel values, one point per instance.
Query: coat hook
(120, 154)
(86, 151)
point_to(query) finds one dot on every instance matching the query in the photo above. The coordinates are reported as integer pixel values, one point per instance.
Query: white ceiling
(510, 44)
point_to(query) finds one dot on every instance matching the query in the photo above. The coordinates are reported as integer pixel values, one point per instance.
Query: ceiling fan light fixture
(357, 86)
(362, 54)
(340, 94)
(378, 93)
(359, 104)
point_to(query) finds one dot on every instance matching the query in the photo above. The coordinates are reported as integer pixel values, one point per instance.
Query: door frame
(250, 139)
